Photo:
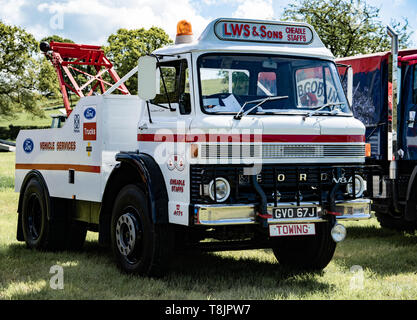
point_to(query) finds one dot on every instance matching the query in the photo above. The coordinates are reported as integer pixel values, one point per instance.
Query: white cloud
(398, 3)
(38, 31)
(112, 15)
(10, 12)
(255, 9)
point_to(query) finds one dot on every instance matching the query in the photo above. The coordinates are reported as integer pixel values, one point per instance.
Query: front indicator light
(367, 150)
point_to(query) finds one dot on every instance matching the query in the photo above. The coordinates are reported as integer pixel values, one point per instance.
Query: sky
(92, 21)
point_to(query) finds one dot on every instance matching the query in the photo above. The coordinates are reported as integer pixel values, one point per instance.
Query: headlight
(221, 189)
(338, 232)
(360, 186)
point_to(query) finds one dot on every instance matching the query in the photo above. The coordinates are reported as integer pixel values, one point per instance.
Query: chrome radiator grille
(281, 151)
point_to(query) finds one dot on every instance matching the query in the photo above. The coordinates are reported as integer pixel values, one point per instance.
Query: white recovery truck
(244, 137)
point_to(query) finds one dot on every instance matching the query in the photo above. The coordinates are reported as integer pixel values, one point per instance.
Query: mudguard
(141, 169)
(154, 183)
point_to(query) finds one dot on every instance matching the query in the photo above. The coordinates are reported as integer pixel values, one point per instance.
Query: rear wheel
(397, 223)
(39, 230)
(306, 252)
(139, 246)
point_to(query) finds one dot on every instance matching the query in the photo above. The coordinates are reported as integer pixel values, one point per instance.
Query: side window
(176, 77)
(169, 75)
(240, 81)
(215, 81)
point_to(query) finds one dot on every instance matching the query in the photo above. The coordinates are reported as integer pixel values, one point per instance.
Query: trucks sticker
(89, 131)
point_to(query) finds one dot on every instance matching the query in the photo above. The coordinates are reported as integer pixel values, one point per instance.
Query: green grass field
(371, 263)
(27, 119)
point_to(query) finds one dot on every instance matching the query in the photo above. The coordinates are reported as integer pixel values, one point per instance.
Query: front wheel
(138, 244)
(306, 252)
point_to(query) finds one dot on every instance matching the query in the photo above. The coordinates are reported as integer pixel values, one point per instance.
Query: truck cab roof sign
(263, 32)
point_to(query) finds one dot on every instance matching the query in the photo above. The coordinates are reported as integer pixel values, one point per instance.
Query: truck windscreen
(229, 81)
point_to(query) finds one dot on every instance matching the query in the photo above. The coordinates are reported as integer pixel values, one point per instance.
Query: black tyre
(39, 231)
(139, 246)
(391, 222)
(306, 252)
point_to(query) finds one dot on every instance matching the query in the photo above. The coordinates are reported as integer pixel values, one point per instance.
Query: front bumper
(220, 214)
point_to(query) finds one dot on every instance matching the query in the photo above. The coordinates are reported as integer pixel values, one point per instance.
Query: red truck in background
(384, 98)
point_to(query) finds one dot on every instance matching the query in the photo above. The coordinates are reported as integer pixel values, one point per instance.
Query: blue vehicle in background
(384, 98)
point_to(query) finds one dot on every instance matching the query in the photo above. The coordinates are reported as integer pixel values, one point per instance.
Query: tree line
(28, 80)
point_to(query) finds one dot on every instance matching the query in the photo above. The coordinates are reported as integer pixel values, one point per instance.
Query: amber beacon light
(184, 32)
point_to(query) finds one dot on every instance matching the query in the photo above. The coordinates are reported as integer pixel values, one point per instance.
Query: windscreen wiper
(240, 114)
(332, 104)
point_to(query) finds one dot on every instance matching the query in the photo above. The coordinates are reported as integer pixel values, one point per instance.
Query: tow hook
(263, 218)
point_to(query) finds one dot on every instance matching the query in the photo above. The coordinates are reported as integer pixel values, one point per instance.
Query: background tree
(18, 71)
(48, 83)
(126, 46)
(347, 27)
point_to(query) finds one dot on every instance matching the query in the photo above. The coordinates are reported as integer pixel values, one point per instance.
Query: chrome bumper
(214, 215)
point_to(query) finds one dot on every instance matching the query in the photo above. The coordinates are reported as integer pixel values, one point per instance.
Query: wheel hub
(126, 233)
(34, 217)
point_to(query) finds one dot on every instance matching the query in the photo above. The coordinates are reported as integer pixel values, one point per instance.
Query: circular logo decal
(28, 145)
(89, 113)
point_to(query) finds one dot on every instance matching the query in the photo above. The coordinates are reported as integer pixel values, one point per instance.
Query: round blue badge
(89, 113)
(28, 145)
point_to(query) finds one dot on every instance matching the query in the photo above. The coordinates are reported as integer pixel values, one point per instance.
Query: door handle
(143, 127)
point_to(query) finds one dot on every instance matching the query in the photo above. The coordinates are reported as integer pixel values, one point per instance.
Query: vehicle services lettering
(58, 146)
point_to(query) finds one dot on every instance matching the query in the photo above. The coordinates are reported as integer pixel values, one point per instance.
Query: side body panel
(76, 160)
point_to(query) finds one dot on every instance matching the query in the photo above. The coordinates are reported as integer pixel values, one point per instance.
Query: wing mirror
(147, 77)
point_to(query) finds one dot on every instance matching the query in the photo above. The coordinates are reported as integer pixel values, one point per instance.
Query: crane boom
(67, 59)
